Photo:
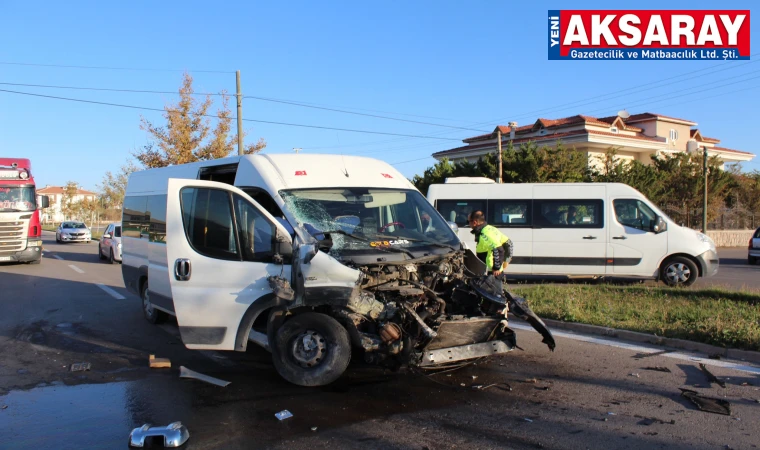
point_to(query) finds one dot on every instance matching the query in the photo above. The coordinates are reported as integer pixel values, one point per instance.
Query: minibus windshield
(360, 219)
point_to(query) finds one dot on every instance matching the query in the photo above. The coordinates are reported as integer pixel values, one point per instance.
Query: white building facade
(54, 213)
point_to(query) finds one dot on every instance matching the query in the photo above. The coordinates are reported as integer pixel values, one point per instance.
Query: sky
(472, 65)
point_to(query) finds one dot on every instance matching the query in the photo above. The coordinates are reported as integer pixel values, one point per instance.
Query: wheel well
(683, 255)
(140, 284)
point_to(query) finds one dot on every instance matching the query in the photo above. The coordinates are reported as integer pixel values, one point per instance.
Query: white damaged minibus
(315, 258)
(580, 229)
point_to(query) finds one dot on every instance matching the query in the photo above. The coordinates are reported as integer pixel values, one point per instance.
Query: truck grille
(12, 237)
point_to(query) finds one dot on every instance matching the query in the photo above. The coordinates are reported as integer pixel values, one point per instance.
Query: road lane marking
(76, 269)
(642, 349)
(57, 257)
(110, 291)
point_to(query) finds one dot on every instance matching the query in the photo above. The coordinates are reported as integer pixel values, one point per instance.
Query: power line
(7, 63)
(217, 117)
(411, 160)
(132, 91)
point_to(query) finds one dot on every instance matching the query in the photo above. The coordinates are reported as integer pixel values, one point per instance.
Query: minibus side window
(208, 222)
(568, 214)
(634, 213)
(457, 210)
(509, 213)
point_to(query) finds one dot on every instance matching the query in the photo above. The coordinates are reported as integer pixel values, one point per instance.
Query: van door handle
(589, 237)
(182, 269)
(619, 237)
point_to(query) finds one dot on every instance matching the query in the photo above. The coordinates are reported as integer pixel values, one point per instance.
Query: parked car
(109, 246)
(73, 232)
(753, 250)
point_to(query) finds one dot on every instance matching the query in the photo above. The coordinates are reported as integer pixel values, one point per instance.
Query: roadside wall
(730, 238)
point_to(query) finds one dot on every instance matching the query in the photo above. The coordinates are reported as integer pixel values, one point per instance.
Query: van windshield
(363, 219)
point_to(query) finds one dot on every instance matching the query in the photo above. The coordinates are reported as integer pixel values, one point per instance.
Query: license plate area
(5, 258)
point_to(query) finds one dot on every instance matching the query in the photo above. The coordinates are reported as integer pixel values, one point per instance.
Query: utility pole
(239, 96)
(498, 136)
(704, 200)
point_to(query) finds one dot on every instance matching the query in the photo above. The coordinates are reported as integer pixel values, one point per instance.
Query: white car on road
(109, 246)
(73, 231)
(753, 251)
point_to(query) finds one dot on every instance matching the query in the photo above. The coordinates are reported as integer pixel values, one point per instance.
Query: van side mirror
(454, 226)
(283, 247)
(658, 225)
(43, 201)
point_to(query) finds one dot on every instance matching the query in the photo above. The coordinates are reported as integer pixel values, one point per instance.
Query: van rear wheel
(151, 314)
(311, 349)
(679, 271)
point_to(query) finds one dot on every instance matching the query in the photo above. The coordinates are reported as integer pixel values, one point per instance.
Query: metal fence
(734, 218)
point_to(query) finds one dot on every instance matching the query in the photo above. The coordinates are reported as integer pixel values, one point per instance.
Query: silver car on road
(73, 231)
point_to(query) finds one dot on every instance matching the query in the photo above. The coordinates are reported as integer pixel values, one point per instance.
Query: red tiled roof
(723, 149)
(59, 190)
(646, 116)
(548, 137)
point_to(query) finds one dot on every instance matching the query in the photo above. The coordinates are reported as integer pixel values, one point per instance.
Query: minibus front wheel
(679, 271)
(311, 349)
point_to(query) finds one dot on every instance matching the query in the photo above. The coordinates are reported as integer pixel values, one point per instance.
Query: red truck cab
(20, 227)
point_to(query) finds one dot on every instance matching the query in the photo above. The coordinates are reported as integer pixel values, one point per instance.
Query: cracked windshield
(17, 199)
(366, 219)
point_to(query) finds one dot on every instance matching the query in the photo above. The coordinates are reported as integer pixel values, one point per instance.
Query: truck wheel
(151, 314)
(679, 271)
(311, 349)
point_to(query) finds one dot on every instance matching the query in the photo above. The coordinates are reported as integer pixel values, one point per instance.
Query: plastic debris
(483, 387)
(634, 375)
(611, 414)
(156, 363)
(184, 372)
(313, 428)
(79, 367)
(175, 434)
(4, 407)
(658, 369)
(528, 420)
(707, 404)
(285, 414)
(711, 377)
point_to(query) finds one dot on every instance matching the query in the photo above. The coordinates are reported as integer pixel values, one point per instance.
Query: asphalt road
(587, 394)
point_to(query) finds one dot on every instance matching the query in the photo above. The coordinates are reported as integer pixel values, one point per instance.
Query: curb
(710, 350)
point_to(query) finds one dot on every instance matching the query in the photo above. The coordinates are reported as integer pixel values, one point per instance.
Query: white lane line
(110, 291)
(638, 348)
(76, 269)
(57, 257)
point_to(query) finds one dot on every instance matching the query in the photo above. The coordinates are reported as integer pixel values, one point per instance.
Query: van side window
(634, 213)
(457, 210)
(510, 213)
(266, 201)
(135, 216)
(256, 232)
(568, 214)
(157, 218)
(208, 221)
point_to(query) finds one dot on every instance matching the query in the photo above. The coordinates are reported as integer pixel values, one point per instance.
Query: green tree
(188, 136)
(113, 187)
(68, 200)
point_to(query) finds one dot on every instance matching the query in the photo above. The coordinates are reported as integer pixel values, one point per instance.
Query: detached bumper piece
(468, 338)
(175, 434)
(464, 352)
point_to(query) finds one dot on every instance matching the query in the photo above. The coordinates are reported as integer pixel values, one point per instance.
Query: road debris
(531, 380)
(313, 428)
(184, 372)
(747, 383)
(285, 414)
(611, 414)
(175, 434)
(712, 377)
(482, 387)
(651, 420)
(80, 367)
(157, 363)
(658, 369)
(528, 420)
(4, 407)
(707, 404)
(634, 375)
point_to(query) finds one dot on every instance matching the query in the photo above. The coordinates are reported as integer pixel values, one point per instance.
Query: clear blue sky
(460, 62)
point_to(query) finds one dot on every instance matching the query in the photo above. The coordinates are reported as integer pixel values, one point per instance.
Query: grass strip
(712, 316)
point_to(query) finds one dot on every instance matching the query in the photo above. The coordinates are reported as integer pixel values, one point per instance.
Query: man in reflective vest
(493, 247)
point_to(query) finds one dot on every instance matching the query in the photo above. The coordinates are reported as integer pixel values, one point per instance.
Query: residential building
(636, 137)
(55, 194)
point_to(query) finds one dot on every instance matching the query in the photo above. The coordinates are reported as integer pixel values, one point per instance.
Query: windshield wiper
(384, 249)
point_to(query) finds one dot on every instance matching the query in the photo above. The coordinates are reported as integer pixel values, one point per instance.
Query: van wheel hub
(678, 273)
(147, 305)
(308, 348)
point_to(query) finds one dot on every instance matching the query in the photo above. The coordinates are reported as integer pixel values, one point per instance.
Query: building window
(613, 129)
(673, 135)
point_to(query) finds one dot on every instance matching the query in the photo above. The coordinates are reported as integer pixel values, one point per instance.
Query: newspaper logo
(649, 35)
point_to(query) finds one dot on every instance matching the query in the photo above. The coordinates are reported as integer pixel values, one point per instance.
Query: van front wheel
(151, 314)
(679, 271)
(311, 349)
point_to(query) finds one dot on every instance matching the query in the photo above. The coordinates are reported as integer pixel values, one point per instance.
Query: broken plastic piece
(79, 367)
(313, 428)
(174, 434)
(528, 420)
(658, 369)
(285, 414)
(156, 363)
(184, 372)
(711, 377)
(713, 405)
(634, 375)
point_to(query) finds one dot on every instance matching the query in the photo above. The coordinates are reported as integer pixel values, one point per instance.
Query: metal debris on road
(611, 414)
(284, 414)
(651, 420)
(175, 434)
(184, 372)
(712, 377)
(80, 367)
(156, 363)
(502, 386)
(658, 369)
(528, 420)
(707, 404)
